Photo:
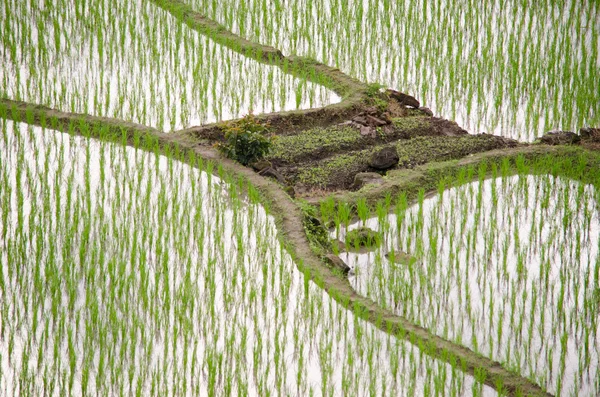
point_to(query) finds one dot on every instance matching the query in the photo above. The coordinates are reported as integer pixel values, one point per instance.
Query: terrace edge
(291, 233)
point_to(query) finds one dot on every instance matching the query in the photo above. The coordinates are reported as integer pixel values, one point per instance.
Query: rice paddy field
(131, 60)
(129, 273)
(137, 261)
(509, 68)
(507, 266)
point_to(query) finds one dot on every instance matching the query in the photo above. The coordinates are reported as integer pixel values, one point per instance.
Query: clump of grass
(363, 237)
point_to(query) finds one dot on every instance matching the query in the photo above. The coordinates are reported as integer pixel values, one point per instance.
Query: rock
(367, 122)
(272, 173)
(335, 262)
(560, 138)
(426, 110)
(445, 127)
(384, 158)
(364, 237)
(261, 165)
(366, 131)
(590, 133)
(375, 121)
(404, 99)
(509, 142)
(367, 178)
(372, 110)
(362, 120)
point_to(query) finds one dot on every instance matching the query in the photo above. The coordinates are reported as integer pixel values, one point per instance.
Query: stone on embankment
(502, 141)
(367, 178)
(426, 110)
(366, 130)
(368, 122)
(445, 127)
(560, 138)
(336, 263)
(592, 134)
(384, 159)
(261, 165)
(375, 121)
(404, 99)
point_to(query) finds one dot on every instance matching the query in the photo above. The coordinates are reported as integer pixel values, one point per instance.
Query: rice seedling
(502, 67)
(127, 272)
(507, 266)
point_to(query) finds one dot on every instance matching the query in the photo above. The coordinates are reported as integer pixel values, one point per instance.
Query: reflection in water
(124, 272)
(508, 267)
(510, 68)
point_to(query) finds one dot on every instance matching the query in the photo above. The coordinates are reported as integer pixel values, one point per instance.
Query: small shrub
(363, 237)
(246, 140)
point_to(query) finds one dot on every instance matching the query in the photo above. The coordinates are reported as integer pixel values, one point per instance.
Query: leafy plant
(246, 140)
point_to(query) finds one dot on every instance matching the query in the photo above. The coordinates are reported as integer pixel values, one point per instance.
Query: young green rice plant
(134, 61)
(127, 272)
(505, 267)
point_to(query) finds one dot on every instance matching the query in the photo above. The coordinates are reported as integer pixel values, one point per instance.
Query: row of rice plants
(503, 67)
(132, 60)
(507, 266)
(125, 272)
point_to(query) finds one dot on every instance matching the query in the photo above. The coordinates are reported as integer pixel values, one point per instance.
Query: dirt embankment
(329, 154)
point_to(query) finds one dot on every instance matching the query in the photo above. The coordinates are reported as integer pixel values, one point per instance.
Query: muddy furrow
(291, 232)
